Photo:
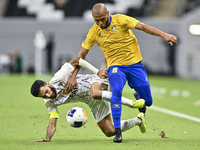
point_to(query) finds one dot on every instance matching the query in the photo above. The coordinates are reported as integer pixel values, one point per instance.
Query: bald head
(98, 8)
(100, 15)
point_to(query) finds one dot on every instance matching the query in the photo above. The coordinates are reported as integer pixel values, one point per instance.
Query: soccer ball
(76, 117)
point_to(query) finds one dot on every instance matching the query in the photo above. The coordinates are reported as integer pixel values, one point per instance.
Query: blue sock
(116, 108)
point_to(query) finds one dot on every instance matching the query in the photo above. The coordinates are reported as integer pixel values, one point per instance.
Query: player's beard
(107, 23)
(54, 93)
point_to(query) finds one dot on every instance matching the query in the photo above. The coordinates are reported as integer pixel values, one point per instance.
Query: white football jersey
(76, 95)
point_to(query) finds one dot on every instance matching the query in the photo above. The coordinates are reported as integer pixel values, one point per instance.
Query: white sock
(128, 124)
(127, 102)
(137, 121)
(106, 95)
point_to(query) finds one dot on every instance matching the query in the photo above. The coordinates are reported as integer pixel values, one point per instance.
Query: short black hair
(35, 88)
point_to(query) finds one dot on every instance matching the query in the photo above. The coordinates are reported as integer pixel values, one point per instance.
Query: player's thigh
(137, 76)
(107, 126)
(117, 80)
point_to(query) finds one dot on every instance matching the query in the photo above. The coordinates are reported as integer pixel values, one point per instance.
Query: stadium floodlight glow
(195, 29)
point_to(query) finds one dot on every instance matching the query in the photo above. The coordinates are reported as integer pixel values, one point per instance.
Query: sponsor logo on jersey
(116, 106)
(100, 35)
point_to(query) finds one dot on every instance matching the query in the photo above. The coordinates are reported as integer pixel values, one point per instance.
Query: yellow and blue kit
(122, 52)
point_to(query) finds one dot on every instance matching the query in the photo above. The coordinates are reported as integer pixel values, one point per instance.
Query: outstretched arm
(153, 31)
(82, 54)
(50, 130)
(101, 73)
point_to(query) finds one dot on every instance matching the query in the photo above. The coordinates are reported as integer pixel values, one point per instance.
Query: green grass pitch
(24, 118)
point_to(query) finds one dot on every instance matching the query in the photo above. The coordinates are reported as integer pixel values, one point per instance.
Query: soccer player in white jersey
(91, 90)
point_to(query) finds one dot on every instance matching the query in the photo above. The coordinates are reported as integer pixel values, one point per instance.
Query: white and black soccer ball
(76, 117)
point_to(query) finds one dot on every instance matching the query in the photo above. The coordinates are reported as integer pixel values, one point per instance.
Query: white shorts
(100, 109)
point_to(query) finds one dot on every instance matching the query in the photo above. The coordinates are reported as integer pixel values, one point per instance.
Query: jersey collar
(109, 22)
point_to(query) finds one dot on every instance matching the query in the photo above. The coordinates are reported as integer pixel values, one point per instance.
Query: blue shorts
(136, 77)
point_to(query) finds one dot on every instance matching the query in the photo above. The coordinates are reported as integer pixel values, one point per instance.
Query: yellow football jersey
(118, 42)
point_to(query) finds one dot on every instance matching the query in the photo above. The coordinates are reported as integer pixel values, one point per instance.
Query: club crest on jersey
(114, 28)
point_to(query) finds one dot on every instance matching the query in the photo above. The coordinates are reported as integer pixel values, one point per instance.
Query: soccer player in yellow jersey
(113, 35)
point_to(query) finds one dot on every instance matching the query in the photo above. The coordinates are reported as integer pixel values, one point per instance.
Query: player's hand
(70, 83)
(170, 38)
(41, 140)
(103, 73)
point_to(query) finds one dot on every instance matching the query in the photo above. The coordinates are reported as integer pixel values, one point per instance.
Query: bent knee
(96, 95)
(148, 102)
(108, 130)
(109, 133)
